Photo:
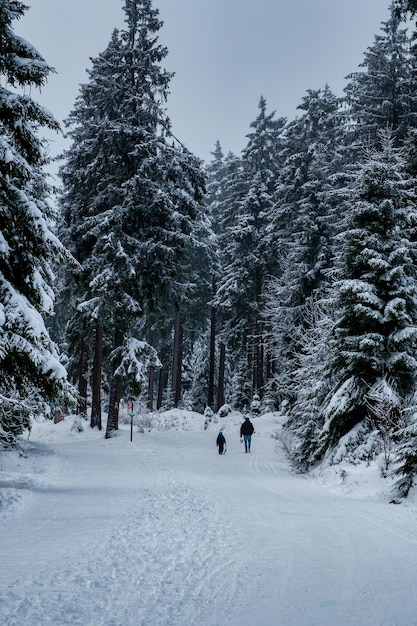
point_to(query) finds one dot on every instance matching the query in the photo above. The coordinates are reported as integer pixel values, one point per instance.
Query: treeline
(284, 278)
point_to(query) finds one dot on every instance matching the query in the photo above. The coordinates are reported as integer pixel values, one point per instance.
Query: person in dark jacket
(220, 442)
(246, 431)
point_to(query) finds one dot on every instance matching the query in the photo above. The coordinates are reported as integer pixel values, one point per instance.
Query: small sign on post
(132, 415)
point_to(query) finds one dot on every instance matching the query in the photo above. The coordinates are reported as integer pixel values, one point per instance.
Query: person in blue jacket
(220, 442)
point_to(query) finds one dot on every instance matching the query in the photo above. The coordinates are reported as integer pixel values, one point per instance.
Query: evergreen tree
(382, 95)
(31, 374)
(215, 172)
(246, 259)
(131, 194)
(224, 187)
(311, 383)
(403, 6)
(303, 222)
(375, 335)
(406, 453)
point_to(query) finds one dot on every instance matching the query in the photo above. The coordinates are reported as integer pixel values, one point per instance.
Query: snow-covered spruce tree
(87, 174)
(192, 304)
(403, 6)
(302, 226)
(375, 335)
(196, 396)
(311, 383)
(131, 193)
(406, 455)
(246, 259)
(215, 172)
(201, 322)
(225, 185)
(31, 375)
(382, 94)
(218, 172)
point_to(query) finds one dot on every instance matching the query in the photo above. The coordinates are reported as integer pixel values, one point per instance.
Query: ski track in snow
(165, 532)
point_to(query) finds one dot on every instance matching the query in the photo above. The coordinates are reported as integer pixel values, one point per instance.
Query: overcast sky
(225, 55)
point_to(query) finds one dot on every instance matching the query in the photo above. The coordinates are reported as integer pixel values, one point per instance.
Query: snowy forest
(283, 278)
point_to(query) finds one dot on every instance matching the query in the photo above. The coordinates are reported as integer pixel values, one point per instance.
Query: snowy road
(165, 532)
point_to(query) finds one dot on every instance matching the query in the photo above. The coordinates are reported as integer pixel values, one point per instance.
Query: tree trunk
(269, 365)
(151, 381)
(258, 348)
(97, 368)
(163, 379)
(258, 380)
(210, 391)
(115, 392)
(177, 359)
(220, 384)
(83, 376)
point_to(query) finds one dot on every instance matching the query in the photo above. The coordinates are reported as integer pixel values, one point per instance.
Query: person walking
(246, 431)
(220, 442)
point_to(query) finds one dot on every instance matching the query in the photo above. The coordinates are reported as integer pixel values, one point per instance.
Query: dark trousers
(221, 448)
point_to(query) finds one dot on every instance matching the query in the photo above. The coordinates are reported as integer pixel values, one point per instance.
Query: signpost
(132, 415)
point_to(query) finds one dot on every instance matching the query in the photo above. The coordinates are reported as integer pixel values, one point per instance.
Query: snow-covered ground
(163, 531)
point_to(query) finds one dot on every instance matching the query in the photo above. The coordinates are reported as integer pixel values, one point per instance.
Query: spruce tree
(224, 188)
(246, 257)
(375, 336)
(311, 383)
(404, 6)
(132, 194)
(303, 222)
(382, 94)
(31, 375)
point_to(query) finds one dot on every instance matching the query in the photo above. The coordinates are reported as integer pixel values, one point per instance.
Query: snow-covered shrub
(224, 410)
(360, 444)
(385, 414)
(174, 419)
(255, 406)
(77, 424)
(208, 417)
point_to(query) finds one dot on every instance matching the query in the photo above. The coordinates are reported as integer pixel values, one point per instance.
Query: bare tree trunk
(97, 369)
(163, 377)
(220, 383)
(177, 360)
(258, 359)
(151, 380)
(83, 376)
(151, 383)
(115, 393)
(269, 365)
(258, 350)
(210, 391)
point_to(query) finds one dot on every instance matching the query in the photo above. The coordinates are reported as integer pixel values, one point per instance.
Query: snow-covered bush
(174, 419)
(208, 417)
(224, 410)
(255, 406)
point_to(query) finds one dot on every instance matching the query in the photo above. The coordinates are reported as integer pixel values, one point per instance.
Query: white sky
(225, 54)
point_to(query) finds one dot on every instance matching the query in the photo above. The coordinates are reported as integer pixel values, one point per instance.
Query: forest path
(163, 531)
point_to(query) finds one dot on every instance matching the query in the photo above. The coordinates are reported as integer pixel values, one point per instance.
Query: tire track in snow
(260, 463)
(358, 567)
(293, 517)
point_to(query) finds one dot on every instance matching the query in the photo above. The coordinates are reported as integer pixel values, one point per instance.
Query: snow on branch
(136, 359)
